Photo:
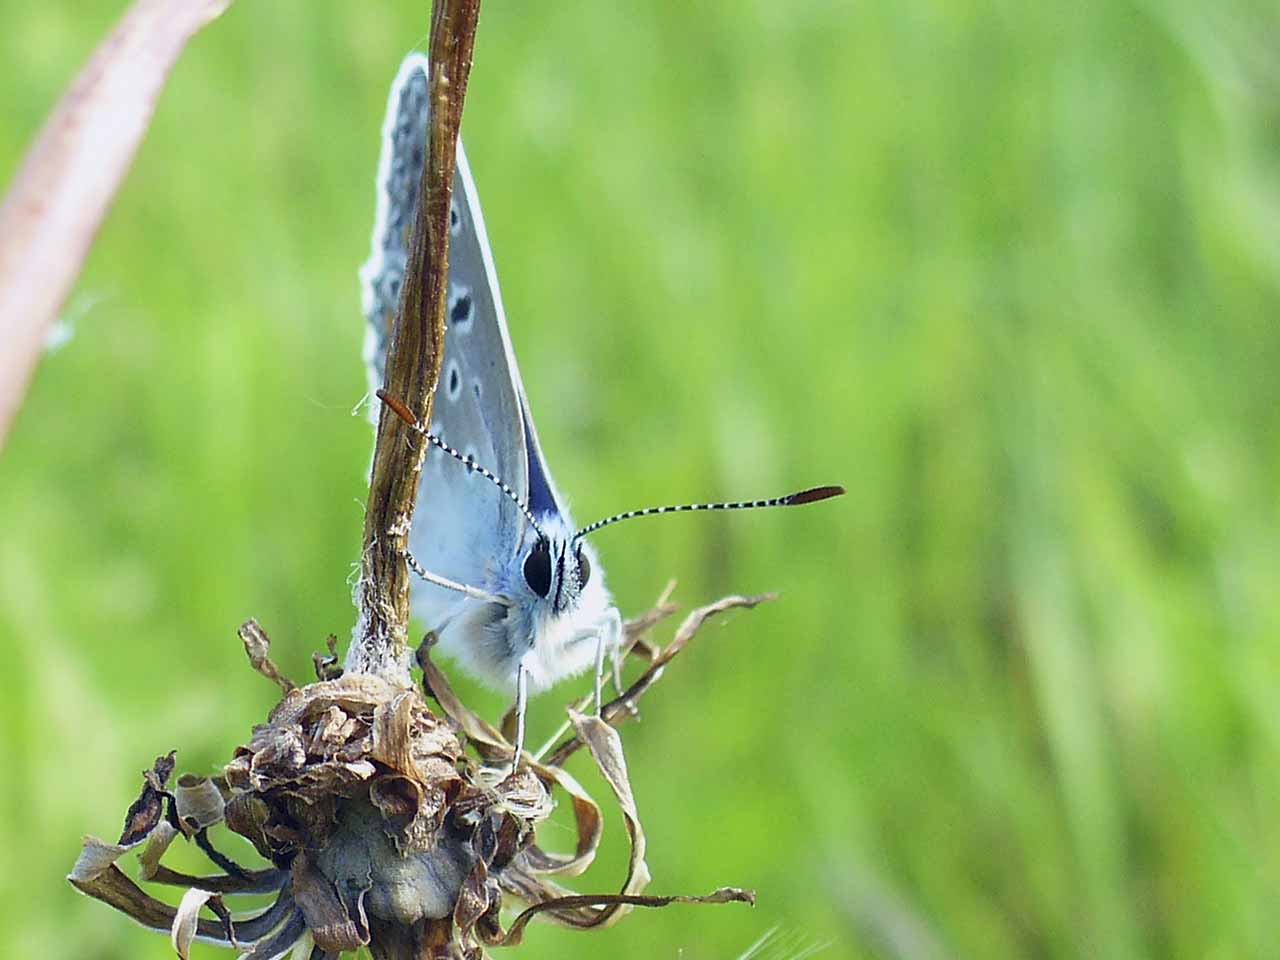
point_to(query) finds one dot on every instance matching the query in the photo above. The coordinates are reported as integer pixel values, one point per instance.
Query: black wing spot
(455, 381)
(455, 221)
(460, 307)
(475, 387)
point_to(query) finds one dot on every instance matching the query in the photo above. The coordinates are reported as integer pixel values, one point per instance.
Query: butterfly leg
(522, 702)
(448, 584)
(617, 657)
(609, 637)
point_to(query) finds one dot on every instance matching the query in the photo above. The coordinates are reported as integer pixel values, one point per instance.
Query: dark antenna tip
(812, 495)
(398, 407)
(815, 494)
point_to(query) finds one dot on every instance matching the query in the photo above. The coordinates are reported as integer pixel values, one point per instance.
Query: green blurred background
(1008, 271)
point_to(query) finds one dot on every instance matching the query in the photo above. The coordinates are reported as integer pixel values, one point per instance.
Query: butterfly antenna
(812, 495)
(404, 413)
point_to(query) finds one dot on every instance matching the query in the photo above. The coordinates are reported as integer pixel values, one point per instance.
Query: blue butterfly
(513, 590)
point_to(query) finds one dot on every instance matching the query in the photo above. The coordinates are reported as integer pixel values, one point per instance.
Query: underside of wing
(538, 489)
(465, 528)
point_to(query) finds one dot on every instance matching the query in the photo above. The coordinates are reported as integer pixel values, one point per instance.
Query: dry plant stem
(71, 174)
(379, 641)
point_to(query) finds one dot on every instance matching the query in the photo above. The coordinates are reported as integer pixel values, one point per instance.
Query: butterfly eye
(584, 568)
(537, 569)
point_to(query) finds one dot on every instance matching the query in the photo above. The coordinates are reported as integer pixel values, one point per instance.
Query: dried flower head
(384, 824)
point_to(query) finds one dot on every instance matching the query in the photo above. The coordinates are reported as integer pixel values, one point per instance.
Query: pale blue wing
(539, 490)
(466, 529)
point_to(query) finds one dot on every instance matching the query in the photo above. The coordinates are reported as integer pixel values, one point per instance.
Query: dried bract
(385, 824)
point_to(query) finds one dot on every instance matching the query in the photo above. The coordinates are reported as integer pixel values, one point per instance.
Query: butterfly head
(555, 563)
(557, 566)
(557, 602)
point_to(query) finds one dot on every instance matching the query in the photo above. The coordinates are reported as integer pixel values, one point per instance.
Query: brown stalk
(379, 642)
(70, 176)
(379, 829)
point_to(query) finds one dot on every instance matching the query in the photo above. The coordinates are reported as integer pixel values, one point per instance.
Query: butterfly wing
(399, 170)
(481, 337)
(465, 528)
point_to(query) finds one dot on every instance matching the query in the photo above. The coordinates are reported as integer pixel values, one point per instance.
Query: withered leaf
(327, 918)
(116, 890)
(252, 929)
(413, 813)
(589, 823)
(354, 693)
(635, 629)
(326, 665)
(334, 749)
(696, 618)
(156, 846)
(473, 899)
(624, 706)
(96, 858)
(182, 933)
(248, 815)
(253, 881)
(278, 755)
(606, 749)
(392, 732)
(258, 647)
(198, 801)
(335, 777)
(333, 730)
(408, 739)
(593, 906)
(277, 944)
(486, 738)
(219, 858)
(146, 811)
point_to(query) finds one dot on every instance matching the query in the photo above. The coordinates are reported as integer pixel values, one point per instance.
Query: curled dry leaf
(157, 844)
(624, 705)
(380, 831)
(326, 664)
(186, 920)
(381, 828)
(526, 876)
(258, 646)
(198, 803)
(336, 923)
(589, 824)
(145, 812)
(483, 735)
(636, 629)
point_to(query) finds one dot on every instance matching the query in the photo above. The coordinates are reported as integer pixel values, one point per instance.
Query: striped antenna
(812, 495)
(404, 413)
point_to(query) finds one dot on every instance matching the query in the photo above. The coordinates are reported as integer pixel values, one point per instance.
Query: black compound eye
(584, 568)
(537, 569)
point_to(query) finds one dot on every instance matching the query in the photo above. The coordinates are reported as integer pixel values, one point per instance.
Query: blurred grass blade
(61, 194)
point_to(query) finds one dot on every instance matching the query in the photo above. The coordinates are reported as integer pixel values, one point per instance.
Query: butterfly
(513, 590)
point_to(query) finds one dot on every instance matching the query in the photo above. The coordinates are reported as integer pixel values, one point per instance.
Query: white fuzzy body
(491, 640)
